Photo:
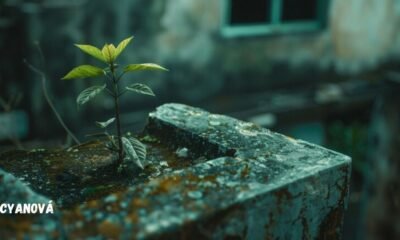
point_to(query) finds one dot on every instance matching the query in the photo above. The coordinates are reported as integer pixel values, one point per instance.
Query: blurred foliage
(350, 139)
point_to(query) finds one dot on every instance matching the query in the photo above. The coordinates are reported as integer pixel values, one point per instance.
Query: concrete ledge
(273, 186)
(256, 185)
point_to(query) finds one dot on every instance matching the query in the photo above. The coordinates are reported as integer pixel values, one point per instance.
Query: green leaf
(92, 51)
(143, 66)
(108, 52)
(130, 151)
(106, 123)
(140, 88)
(89, 93)
(139, 147)
(112, 143)
(84, 71)
(122, 45)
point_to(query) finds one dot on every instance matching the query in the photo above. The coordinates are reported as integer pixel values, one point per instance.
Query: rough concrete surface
(257, 184)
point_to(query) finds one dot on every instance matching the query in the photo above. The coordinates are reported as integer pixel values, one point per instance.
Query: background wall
(185, 35)
(323, 86)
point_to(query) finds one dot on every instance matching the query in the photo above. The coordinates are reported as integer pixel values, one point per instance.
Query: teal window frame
(275, 26)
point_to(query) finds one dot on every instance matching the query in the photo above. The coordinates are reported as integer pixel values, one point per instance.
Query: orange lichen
(17, 226)
(132, 217)
(72, 215)
(166, 184)
(139, 203)
(109, 229)
(92, 204)
(245, 172)
(211, 178)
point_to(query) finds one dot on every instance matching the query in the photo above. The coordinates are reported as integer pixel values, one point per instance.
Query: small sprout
(84, 71)
(135, 150)
(129, 145)
(140, 88)
(143, 66)
(112, 144)
(92, 51)
(122, 45)
(106, 123)
(108, 53)
(139, 147)
(89, 93)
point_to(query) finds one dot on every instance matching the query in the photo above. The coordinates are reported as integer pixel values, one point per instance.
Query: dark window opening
(273, 16)
(250, 12)
(293, 10)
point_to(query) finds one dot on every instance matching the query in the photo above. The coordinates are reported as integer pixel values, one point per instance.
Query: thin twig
(97, 135)
(42, 59)
(46, 95)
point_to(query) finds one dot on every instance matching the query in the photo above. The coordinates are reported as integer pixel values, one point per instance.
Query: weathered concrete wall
(185, 36)
(364, 33)
(360, 34)
(250, 184)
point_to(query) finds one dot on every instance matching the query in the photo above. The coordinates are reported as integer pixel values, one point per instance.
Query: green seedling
(112, 73)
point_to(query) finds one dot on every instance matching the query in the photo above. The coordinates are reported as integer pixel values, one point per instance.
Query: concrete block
(246, 183)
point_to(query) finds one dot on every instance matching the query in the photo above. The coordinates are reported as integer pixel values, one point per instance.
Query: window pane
(299, 10)
(250, 12)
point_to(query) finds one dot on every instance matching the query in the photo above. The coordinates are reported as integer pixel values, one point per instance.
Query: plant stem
(117, 113)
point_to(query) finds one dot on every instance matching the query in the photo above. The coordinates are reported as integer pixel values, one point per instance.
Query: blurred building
(313, 69)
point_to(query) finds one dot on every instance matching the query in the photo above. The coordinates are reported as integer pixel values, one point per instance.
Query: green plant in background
(129, 145)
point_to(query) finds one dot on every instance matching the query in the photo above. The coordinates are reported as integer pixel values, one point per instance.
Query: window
(255, 17)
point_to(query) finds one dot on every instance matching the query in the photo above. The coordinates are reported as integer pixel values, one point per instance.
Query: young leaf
(111, 144)
(84, 71)
(140, 88)
(92, 51)
(106, 123)
(128, 147)
(139, 147)
(108, 52)
(143, 66)
(89, 93)
(122, 45)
